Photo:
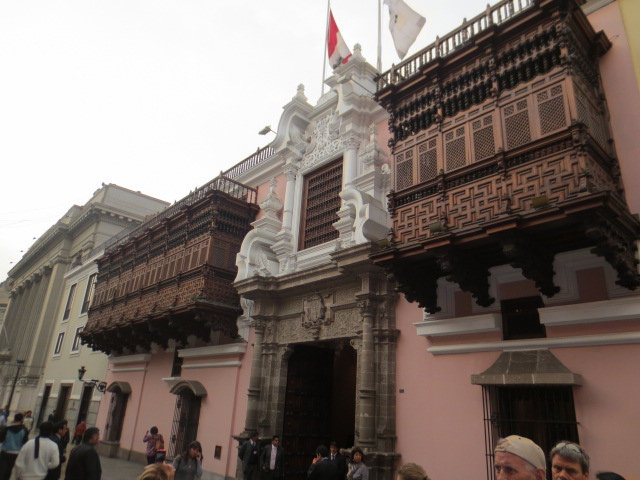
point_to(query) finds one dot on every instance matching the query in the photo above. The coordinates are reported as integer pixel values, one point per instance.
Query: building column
(255, 381)
(290, 172)
(43, 285)
(350, 161)
(367, 389)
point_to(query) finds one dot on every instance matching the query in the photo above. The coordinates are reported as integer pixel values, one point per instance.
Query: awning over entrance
(196, 387)
(532, 367)
(124, 387)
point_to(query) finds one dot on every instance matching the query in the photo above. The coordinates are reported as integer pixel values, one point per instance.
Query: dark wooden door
(307, 407)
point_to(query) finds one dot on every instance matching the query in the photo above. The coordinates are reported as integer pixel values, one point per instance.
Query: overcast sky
(158, 96)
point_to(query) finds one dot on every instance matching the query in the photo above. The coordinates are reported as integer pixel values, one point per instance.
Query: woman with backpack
(188, 464)
(155, 442)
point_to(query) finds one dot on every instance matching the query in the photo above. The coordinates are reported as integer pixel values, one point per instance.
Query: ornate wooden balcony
(503, 155)
(171, 278)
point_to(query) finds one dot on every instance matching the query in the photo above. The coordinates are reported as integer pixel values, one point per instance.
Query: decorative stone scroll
(325, 140)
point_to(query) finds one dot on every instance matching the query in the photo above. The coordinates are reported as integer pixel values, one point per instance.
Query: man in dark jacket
(15, 437)
(60, 430)
(84, 462)
(321, 468)
(248, 453)
(339, 460)
(271, 460)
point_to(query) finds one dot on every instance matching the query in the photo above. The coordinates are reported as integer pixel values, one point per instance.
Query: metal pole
(326, 46)
(379, 62)
(15, 381)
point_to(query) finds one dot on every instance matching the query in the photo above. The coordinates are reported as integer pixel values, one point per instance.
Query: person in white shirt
(38, 455)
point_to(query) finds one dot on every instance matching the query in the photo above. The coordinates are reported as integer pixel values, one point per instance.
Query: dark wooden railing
(249, 162)
(442, 47)
(221, 183)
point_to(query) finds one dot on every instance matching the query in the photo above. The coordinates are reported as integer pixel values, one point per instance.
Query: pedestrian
(339, 460)
(188, 465)
(322, 468)
(248, 454)
(53, 417)
(518, 458)
(15, 436)
(38, 455)
(357, 470)
(569, 461)
(608, 476)
(271, 460)
(59, 431)
(155, 442)
(84, 461)
(79, 432)
(412, 471)
(28, 420)
(157, 471)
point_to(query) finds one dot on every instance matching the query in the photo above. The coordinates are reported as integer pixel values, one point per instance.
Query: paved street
(116, 469)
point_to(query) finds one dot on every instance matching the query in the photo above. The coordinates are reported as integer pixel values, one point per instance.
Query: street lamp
(266, 130)
(15, 381)
(99, 385)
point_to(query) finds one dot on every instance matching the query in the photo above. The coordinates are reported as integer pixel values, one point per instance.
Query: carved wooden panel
(468, 205)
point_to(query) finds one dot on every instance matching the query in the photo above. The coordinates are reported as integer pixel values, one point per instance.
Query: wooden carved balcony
(171, 278)
(503, 155)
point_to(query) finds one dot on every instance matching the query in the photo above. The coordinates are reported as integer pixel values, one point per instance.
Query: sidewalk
(116, 469)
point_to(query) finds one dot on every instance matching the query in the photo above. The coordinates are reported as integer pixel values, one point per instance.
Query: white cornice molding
(593, 5)
(627, 308)
(490, 322)
(538, 343)
(233, 363)
(137, 358)
(214, 351)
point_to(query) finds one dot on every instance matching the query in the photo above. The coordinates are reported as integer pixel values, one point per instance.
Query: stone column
(43, 285)
(290, 172)
(17, 337)
(255, 382)
(367, 389)
(350, 161)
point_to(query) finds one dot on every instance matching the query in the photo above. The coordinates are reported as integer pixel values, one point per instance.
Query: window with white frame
(67, 308)
(59, 343)
(88, 293)
(76, 339)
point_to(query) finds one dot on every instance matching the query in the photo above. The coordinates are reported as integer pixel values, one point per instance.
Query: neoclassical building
(49, 300)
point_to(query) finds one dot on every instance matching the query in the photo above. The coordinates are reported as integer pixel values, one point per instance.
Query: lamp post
(98, 384)
(15, 381)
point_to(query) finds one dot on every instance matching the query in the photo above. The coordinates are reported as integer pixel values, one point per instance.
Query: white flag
(405, 25)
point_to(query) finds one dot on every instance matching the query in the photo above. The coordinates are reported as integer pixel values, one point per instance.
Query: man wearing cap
(518, 458)
(569, 461)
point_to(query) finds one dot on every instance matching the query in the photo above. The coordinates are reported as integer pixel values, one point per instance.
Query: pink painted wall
(439, 415)
(265, 188)
(623, 98)
(222, 412)
(607, 404)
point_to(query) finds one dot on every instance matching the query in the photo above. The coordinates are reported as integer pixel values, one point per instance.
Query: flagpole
(326, 44)
(379, 63)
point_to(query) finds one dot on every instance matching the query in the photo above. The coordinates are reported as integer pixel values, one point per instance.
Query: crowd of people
(42, 457)
(187, 465)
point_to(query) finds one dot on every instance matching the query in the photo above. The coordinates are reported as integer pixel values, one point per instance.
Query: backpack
(159, 443)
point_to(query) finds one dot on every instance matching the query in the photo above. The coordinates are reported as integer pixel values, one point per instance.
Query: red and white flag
(338, 51)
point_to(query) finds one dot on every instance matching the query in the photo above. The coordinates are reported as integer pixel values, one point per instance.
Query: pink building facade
(331, 342)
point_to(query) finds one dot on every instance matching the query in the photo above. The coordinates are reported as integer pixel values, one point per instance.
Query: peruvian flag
(338, 51)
